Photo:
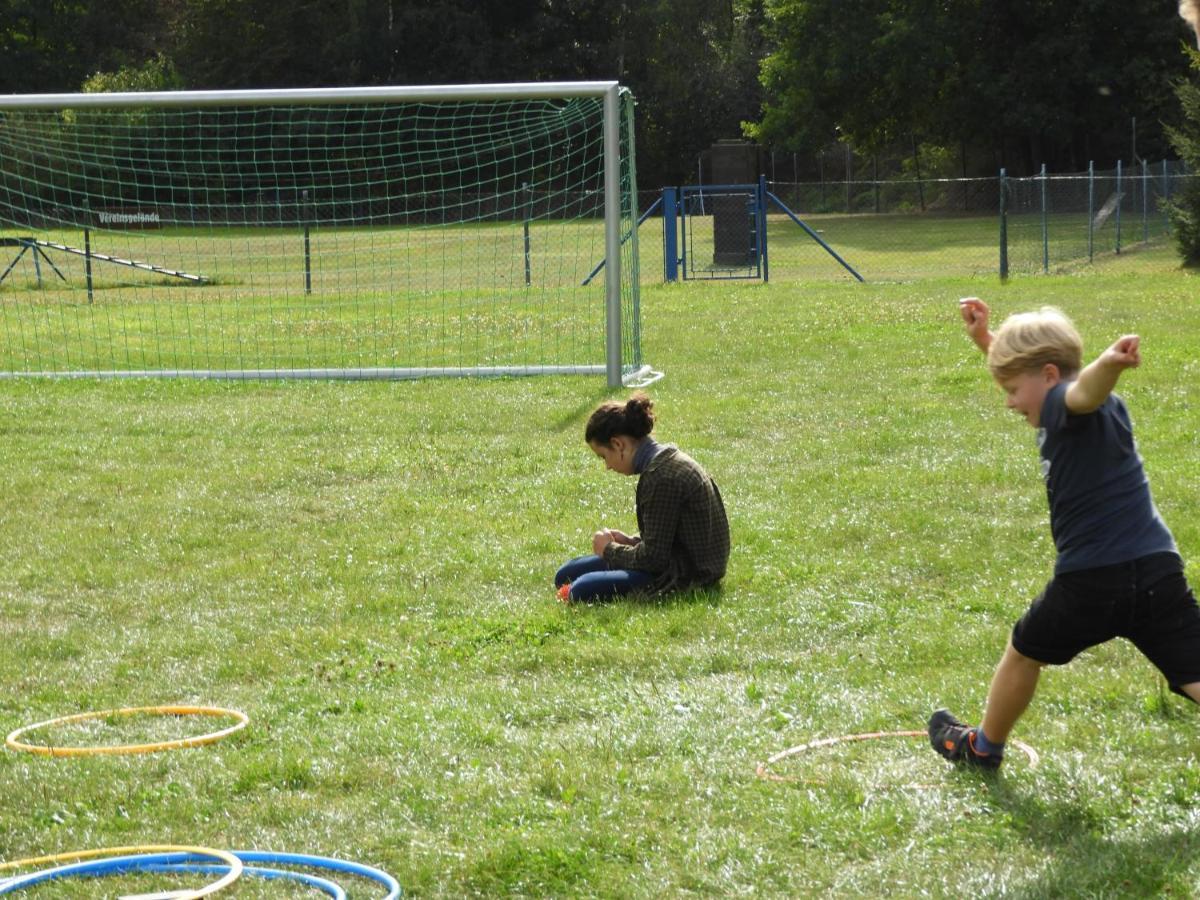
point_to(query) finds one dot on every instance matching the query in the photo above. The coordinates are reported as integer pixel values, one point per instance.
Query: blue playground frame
(676, 205)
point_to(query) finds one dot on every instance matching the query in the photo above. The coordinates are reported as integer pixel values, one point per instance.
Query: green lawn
(364, 569)
(430, 297)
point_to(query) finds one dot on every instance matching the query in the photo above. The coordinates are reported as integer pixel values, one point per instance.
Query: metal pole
(1091, 207)
(440, 93)
(875, 178)
(670, 217)
(821, 175)
(1166, 196)
(812, 234)
(1119, 198)
(87, 247)
(528, 274)
(1045, 227)
(1145, 203)
(849, 162)
(307, 245)
(612, 235)
(1003, 226)
(760, 201)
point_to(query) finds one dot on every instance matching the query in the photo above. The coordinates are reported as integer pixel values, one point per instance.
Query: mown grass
(427, 297)
(364, 569)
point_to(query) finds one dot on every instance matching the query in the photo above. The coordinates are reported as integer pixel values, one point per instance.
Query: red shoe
(564, 594)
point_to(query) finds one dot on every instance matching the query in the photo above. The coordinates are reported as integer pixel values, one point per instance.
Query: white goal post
(369, 232)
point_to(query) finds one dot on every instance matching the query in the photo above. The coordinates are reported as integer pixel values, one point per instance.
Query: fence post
(1003, 226)
(670, 217)
(1045, 227)
(307, 244)
(87, 246)
(1119, 199)
(875, 177)
(1145, 203)
(821, 175)
(849, 163)
(1167, 197)
(1091, 207)
(760, 224)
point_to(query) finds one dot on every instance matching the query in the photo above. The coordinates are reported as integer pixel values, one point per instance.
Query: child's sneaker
(956, 742)
(564, 594)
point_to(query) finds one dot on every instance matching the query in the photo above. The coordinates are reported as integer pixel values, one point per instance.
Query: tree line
(984, 83)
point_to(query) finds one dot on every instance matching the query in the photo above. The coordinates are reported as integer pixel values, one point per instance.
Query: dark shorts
(1146, 600)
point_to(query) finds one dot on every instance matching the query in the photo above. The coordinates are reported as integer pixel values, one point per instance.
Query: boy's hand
(621, 537)
(1087, 392)
(975, 316)
(1124, 354)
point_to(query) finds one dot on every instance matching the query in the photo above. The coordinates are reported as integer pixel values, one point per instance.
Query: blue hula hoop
(324, 862)
(331, 888)
(174, 861)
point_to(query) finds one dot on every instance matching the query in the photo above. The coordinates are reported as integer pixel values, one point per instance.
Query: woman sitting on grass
(684, 539)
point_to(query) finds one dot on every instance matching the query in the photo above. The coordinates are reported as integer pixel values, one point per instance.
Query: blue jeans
(591, 578)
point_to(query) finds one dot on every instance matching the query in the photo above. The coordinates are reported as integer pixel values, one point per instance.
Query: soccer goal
(393, 232)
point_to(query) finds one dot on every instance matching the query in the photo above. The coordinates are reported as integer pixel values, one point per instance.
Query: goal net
(334, 233)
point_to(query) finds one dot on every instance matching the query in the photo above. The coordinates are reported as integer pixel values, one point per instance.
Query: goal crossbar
(537, 90)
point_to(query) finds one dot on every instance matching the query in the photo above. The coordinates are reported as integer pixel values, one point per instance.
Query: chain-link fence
(900, 229)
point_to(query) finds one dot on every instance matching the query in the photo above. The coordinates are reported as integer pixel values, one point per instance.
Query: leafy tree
(156, 74)
(1185, 208)
(49, 46)
(1026, 80)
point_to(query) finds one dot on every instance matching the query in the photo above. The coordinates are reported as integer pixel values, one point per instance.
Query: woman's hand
(600, 540)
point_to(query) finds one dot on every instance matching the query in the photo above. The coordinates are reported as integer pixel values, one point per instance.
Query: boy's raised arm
(975, 316)
(1097, 379)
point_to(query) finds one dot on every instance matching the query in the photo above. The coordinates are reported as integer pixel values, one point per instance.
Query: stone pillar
(733, 162)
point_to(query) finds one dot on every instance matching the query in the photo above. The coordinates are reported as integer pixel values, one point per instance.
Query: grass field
(401, 297)
(423, 297)
(364, 569)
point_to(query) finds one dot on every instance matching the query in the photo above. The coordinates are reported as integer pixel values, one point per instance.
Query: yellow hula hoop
(234, 873)
(13, 741)
(762, 770)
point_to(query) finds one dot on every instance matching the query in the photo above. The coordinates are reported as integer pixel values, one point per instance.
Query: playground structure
(738, 213)
(719, 231)
(37, 248)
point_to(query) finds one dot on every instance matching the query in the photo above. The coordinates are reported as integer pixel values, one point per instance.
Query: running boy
(1118, 572)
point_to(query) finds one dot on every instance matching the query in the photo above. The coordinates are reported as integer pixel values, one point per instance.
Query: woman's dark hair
(632, 418)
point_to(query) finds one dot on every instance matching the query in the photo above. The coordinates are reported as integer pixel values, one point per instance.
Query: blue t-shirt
(1101, 512)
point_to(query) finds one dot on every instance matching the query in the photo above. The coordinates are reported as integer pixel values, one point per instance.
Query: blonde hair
(1028, 341)
(1190, 10)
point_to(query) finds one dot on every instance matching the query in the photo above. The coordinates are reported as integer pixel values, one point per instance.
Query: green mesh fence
(899, 230)
(1054, 220)
(303, 236)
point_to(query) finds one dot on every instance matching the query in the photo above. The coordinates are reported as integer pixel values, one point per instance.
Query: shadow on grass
(575, 417)
(1084, 861)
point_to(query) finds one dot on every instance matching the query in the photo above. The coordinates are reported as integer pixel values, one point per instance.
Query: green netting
(450, 235)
